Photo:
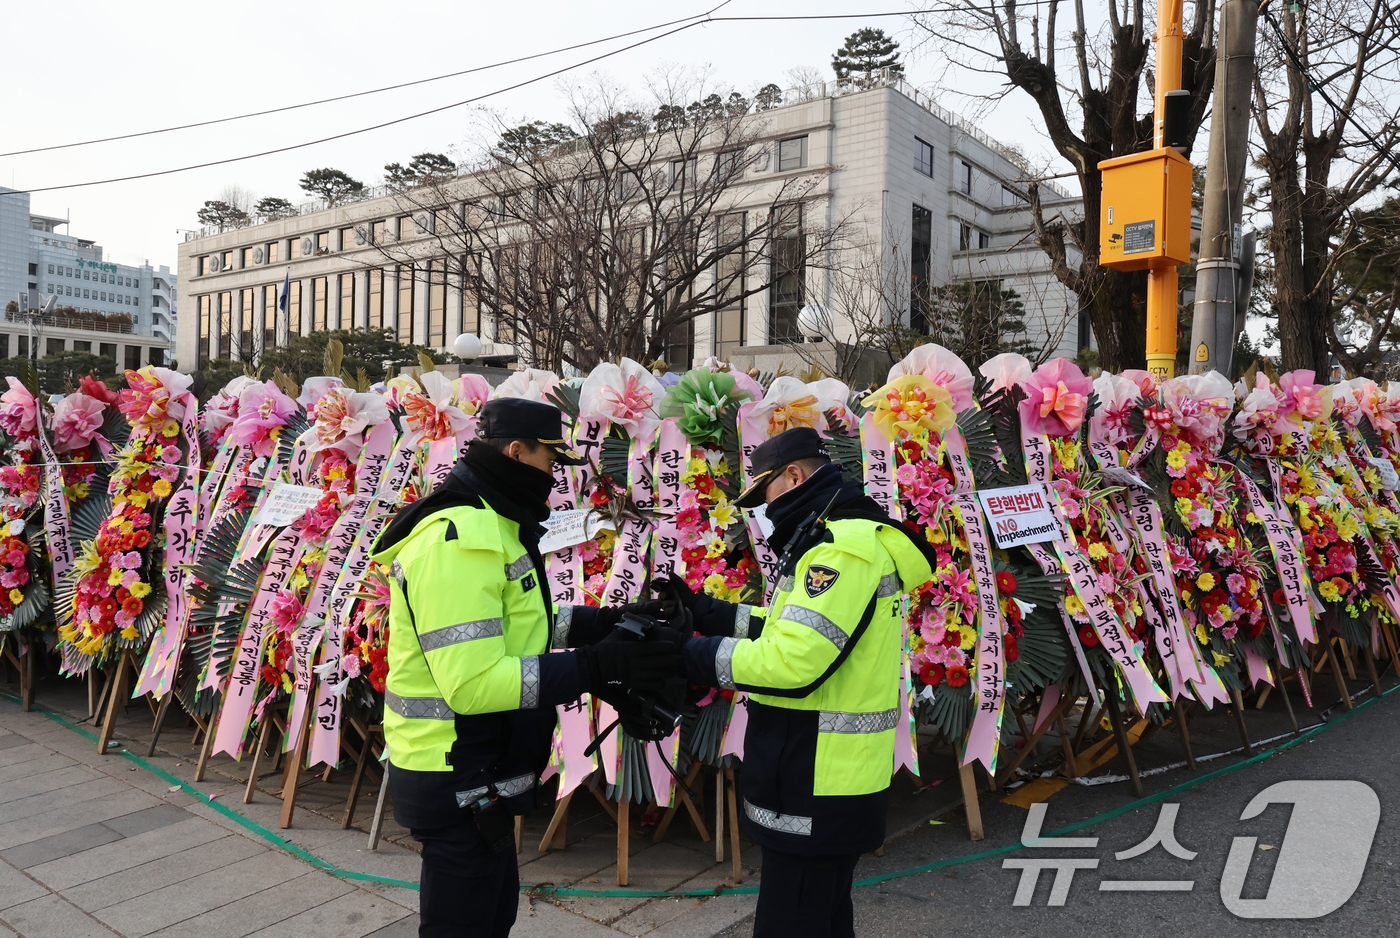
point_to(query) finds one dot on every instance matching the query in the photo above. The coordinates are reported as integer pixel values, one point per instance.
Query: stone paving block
(43, 761)
(100, 787)
(549, 921)
(262, 909)
(59, 845)
(69, 817)
(51, 782)
(153, 911)
(123, 884)
(654, 914)
(20, 752)
(51, 917)
(10, 740)
(16, 887)
(351, 916)
(153, 818)
(711, 917)
(133, 851)
(403, 928)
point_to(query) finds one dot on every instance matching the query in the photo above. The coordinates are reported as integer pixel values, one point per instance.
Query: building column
(259, 318)
(390, 298)
(420, 307)
(307, 305)
(236, 326)
(454, 305)
(361, 311)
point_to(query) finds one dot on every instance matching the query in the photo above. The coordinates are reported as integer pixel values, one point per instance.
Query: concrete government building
(917, 179)
(39, 261)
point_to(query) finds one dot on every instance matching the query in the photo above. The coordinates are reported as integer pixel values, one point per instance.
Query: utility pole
(1222, 286)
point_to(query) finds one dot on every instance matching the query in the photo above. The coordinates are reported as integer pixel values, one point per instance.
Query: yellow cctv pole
(1162, 281)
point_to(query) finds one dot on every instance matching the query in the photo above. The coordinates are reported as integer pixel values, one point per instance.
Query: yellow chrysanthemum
(1176, 460)
(1328, 591)
(16, 597)
(969, 638)
(1097, 551)
(161, 488)
(1202, 635)
(714, 584)
(1073, 606)
(1206, 581)
(140, 590)
(114, 578)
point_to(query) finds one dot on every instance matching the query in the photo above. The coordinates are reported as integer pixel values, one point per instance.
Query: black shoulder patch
(451, 532)
(819, 579)
(528, 583)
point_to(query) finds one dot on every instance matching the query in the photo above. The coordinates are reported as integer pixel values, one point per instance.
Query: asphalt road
(977, 897)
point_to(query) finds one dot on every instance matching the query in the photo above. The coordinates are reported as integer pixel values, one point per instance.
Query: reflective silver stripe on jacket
(786, 584)
(833, 721)
(889, 586)
(724, 662)
(518, 568)
(418, 708)
(529, 683)
(461, 632)
(742, 612)
(507, 789)
(396, 569)
(562, 620)
(784, 823)
(814, 620)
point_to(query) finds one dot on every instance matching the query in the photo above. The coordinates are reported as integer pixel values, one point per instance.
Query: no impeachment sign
(1019, 514)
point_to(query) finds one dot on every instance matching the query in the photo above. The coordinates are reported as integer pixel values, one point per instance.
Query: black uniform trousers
(805, 897)
(466, 890)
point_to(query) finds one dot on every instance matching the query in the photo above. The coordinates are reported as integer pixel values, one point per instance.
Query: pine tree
(865, 53)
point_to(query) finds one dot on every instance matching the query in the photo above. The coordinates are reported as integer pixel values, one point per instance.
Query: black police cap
(775, 454)
(517, 418)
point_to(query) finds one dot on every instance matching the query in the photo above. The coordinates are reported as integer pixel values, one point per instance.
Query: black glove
(617, 665)
(609, 616)
(675, 595)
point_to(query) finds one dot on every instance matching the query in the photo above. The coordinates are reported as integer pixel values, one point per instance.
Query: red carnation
(955, 675)
(1006, 583)
(1087, 636)
(133, 606)
(1012, 651)
(931, 674)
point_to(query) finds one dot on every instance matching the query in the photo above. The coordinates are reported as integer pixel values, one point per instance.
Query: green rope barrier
(544, 890)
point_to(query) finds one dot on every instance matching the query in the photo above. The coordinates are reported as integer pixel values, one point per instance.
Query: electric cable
(700, 20)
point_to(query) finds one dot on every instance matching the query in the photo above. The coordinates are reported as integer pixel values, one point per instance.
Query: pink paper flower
(262, 409)
(344, 417)
(19, 411)
(626, 394)
(1056, 395)
(76, 420)
(1198, 405)
(1117, 394)
(430, 410)
(1303, 398)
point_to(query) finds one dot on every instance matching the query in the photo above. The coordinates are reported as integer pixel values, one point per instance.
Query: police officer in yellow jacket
(470, 696)
(822, 668)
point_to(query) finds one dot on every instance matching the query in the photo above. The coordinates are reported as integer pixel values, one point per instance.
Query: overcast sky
(100, 69)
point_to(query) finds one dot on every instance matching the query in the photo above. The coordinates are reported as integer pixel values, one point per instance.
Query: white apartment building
(124, 312)
(917, 182)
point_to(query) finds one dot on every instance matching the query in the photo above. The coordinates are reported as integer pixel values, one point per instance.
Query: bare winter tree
(611, 235)
(1108, 83)
(1320, 168)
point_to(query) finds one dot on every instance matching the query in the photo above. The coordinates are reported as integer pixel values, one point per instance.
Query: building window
(245, 257)
(404, 330)
(965, 177)
(22, 346)
(923, 157)
(1009, 197)
(79, 346)
(133, 357)
(471, 306)
(33, 270)
(323, 242)
(377, 231)
(158, 357)
(679, 350)
(347, 239)
(294, 310)
(269, 316)
(201, 264)
(247, 322)
(53, 346)
(920, 254)
(984, 240)
(87, 275)
(346, 317)
(792, 153)
(374, 300)
(109, 349)
(437, 303)
(4, 345)
(731, 321)
(50, 268)
(964, 237)
(318, 304)
(294, 249)
(226, 324)
(274, 252)
(228, 261)
(785, 293)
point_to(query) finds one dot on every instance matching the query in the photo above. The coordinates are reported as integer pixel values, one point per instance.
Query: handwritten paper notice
(287, 503)
(567, 528)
